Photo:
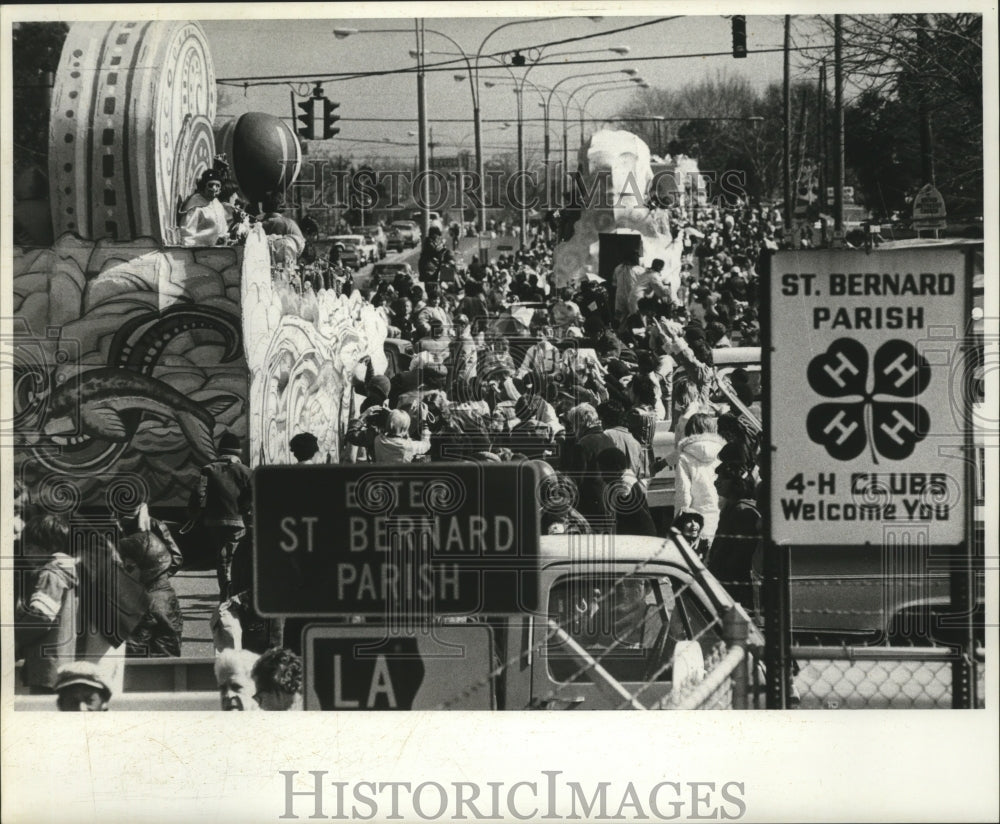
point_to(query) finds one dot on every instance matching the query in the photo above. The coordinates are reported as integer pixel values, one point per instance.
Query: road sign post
(417, 540)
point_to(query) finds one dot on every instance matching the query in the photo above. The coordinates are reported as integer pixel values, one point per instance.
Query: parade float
(133, 354)
(614, 197)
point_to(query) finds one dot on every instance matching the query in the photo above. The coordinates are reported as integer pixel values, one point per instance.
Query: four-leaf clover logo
(883, 407)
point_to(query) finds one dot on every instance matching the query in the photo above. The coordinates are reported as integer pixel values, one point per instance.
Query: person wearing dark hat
(376, 393)
(222, 501)
(81, 686)
(371, 422)
(304, 447)
(203, 220)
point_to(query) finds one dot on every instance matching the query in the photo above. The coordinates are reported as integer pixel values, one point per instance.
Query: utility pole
(425, 193)
(821, 131)
(926, 131)
(838, 148)
(786, 166)
(821, 145)
(522, 207)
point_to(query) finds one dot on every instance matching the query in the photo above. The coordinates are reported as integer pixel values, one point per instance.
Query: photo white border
(796, 766)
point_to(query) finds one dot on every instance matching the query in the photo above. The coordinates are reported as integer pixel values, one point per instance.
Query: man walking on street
(223, 500)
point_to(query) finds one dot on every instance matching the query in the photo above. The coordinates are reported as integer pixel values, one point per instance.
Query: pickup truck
(636, 605)
(643, 608)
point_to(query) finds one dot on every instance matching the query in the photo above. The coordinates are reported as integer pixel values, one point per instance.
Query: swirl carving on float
(123, 93)
(302, 352)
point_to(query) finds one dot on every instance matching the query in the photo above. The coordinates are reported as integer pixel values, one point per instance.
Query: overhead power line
(442, 65)
(450, 66)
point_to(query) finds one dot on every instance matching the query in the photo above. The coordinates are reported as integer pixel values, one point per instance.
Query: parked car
(376, 237)
(354, 254)
(403, 234)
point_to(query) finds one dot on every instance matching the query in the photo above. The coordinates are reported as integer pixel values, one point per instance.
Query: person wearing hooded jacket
(697, 457)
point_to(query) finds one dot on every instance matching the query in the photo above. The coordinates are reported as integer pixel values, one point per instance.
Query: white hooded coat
(698, 456)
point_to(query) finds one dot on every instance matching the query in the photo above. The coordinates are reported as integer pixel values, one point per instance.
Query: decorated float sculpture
(618, 175)
(132, 354)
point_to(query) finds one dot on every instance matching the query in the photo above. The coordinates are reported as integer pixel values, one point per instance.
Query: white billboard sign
(866, 402)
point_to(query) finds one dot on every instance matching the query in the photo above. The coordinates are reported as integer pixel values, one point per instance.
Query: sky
(258, 48)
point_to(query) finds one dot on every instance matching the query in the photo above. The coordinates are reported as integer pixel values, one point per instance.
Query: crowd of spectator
(503, 365)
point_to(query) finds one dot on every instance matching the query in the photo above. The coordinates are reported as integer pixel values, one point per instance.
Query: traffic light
(330, 117)
(739, 35)
(307, 130)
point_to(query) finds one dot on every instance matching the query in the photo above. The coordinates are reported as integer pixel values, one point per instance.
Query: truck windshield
(630, 625)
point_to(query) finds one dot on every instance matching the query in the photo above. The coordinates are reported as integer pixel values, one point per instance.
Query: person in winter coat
(624, 498)
(434, 255)
(148, 544)
(222, 500)
(731, 558)
(697, 458)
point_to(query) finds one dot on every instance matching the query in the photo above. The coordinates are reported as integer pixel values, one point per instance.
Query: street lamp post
(462, 170)
(479, 153)
(609, 86)
(521, 171)
(473, 67)
(423, 173)
(548, 105)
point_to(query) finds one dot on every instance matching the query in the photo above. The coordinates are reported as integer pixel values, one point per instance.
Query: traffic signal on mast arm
(307, 131)
(330, 117)
(739, 35)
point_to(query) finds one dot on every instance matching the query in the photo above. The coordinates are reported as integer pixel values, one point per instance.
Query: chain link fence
(879, 678)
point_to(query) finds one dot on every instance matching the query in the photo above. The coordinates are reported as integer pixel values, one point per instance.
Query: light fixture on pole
(548, 104)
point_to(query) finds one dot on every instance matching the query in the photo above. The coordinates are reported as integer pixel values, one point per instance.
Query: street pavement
(198, 594)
